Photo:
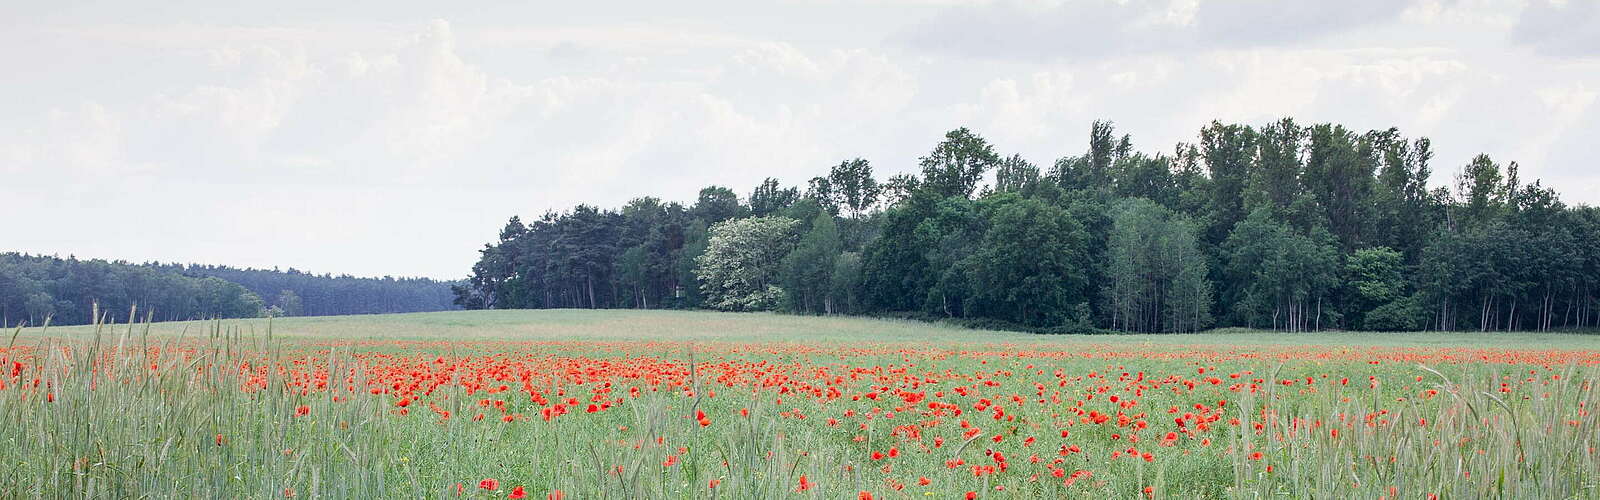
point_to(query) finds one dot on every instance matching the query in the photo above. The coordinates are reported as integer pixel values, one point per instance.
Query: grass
(647, 325)
(388, 405)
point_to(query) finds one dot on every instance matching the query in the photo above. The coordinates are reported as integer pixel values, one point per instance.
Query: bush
(1404, 314)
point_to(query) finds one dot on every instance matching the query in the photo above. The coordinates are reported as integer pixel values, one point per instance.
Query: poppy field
(220, 410)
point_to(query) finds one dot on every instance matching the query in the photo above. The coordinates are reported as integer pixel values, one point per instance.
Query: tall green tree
(844, 296)
(1030, 267)
(1480, 186)
(956, 164)
(1015, 175)
(1380, 293)
(717, 204)
(808, 270)
(1227, 151)
(894, 267)
(1275, 179)
(1148, 177)
(1403, 212)
(290, 303)
(1156, 275)
(853, 186)
(1339, 168)
(1279, 277)
(768, 198)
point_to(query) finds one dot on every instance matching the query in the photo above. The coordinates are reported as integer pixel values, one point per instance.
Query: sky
(396, 137)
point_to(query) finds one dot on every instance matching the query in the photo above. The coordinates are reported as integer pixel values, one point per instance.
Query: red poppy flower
(518, 492)
(489, 484)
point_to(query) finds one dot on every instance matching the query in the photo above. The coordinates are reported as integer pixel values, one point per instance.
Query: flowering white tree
(743, 258)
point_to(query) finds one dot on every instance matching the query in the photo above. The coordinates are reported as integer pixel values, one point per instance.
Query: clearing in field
(660, 404)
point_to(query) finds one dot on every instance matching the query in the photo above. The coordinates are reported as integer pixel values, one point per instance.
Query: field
(661, 404)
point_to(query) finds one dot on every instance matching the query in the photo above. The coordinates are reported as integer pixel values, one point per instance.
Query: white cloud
(1560, 27)
(1027, 112)
(1098, 29)
(331, 145)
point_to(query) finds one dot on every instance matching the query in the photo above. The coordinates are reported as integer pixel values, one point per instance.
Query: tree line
(36, 287)
(298, 293)
(1280, 226)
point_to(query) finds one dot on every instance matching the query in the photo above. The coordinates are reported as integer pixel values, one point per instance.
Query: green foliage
(1016, 175)
(1286, 226)
(1403, 213)
(853, 187)
(717, 204)
(1030, 267)
(1403, 314)
(894, 267)
(807, 274)
(1278, 276)
(1155, 271)
(68, 291)
(1339, 174)
(955, 165)
(1379, 299)
(1480, 184)
(844, 294)
(289, 303)
(1228, 152)
(1275, 180)
(768, 198)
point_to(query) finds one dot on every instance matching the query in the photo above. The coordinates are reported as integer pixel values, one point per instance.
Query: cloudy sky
(379, 138)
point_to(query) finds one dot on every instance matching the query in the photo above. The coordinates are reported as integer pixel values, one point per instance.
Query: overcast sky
(393, 138)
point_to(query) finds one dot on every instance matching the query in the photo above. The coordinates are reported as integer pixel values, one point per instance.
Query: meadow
(671, 404)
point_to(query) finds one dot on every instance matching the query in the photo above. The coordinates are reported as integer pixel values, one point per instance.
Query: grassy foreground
(665, 404)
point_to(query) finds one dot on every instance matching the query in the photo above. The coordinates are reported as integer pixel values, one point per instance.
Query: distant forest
(1280, 226)
(34, 287)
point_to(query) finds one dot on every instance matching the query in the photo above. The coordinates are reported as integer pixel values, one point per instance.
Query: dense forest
(34, 287)
(1281, 226)
(298, 293)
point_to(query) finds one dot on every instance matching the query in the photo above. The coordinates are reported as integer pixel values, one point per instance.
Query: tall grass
(216, 412)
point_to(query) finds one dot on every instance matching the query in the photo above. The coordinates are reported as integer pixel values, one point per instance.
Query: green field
(389, 405)
(663, 325)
